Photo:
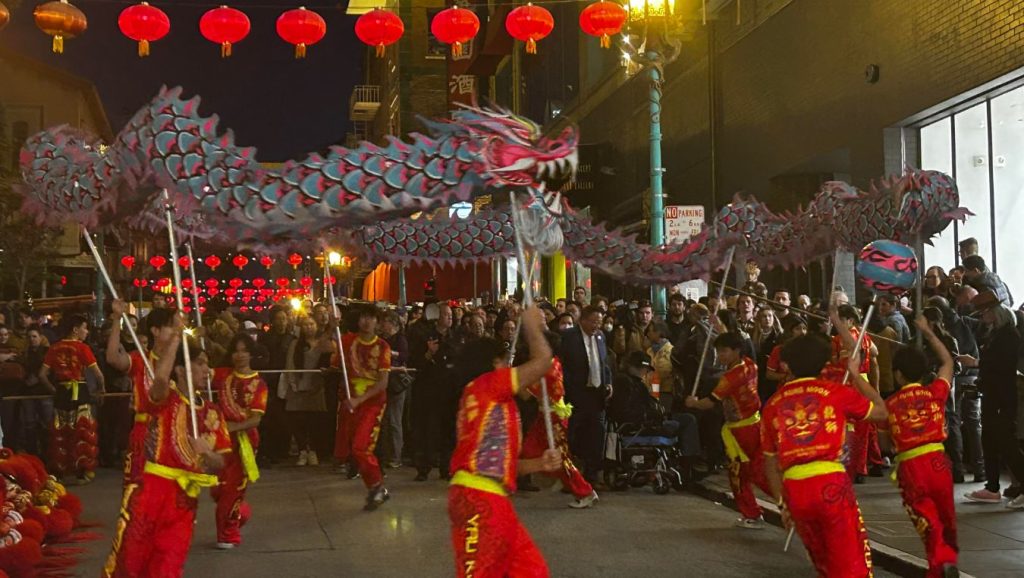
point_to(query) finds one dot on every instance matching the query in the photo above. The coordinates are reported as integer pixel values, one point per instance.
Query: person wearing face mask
(242, 398)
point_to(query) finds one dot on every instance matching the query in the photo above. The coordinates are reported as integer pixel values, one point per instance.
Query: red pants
(863, 444)
(232, 511)
(135, 457)
(154, 531)
(357, 437)
(73, 442)
(742, 475)
(827, 517)
(489, 541)
(536, 442)
(926, 483)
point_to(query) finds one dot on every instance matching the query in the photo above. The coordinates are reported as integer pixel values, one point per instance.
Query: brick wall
(792, 96)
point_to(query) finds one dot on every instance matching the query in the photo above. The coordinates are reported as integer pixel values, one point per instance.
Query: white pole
(169, 214)
(113, 293)
(860, 337)
(545, 402)
(199, 314)
(337, 329)
(707, 342)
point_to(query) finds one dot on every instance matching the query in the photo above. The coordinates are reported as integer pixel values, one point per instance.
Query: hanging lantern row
(302, 28)
(240, 261)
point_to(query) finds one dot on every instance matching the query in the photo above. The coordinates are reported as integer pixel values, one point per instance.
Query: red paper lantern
(283, 282)
(235, 283)
(306, 281)
(240, 261)
(295, 260)
(529, 23)
(379, 28)
(186, 283)
(128, 262)
(243, 308)
(187, 309)
(212, 262)
(224, 26)
(162, 282)
(140, 282)
(184, 262)
(259, 282)
(266, 261)
(157, 261)
(231, 292)
(302, 28)
(144, 24)
(455, 26)
(211, 282)
(60, 20)
(603, 19)
(5, 15)
(258, 308)
(212, 291)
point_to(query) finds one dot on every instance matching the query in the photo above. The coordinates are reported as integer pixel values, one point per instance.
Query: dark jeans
(35, 417)
(587, 431)
(969, 408)
(689, 435)
(305, 426)
(954, 438)
(999, 433)
(275, 433)
(114, 424)
(433, 422)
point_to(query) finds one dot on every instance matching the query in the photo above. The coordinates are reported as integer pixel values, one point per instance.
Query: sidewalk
(991, 537)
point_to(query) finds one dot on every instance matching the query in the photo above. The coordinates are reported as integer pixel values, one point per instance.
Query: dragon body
(369, 193)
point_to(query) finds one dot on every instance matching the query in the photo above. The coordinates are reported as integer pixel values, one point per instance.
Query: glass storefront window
(937, 155)
(1008, 181)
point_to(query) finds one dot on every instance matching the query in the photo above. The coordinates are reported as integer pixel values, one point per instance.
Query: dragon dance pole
(860, 336)
(199, 314)
(545, 402)
(707, 342)
(169, 214)
(329, 284)
(113, 295)
(402, 300)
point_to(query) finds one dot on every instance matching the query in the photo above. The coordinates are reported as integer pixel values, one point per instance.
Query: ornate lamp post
(650, 46)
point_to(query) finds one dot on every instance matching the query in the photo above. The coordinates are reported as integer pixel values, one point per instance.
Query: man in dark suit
(588, 379)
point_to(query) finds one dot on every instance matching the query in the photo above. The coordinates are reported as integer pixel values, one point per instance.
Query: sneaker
(984, 496)
(1016, 503)
(312, 459)
(950, 571)
(395, 465)
(351, 472)
(226, 546)
(749, 523)
(584, 502)
(376, 497)
(875, 471)
(303, 458)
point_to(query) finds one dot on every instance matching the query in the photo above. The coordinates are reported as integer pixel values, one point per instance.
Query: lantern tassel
(606, 41)
(143, 48)
(58, 44)
(380, 50)
(531, 46)
(457, 50)
(225, 49)
(300, 50)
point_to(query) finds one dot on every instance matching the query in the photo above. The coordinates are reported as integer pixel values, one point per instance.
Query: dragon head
(514, 151)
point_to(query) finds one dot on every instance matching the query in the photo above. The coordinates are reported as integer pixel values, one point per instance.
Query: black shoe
(420, 477)
(376, 497)
(858, 479)
(875, 471)
(958, 478)
(351, 473)
(950, 571)
(979, 479)
(1012, 492)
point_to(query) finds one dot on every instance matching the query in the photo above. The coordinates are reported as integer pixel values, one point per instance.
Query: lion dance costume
(73, 439)
(804, 425)
(154, 529)
(240, 397)
(489, 540)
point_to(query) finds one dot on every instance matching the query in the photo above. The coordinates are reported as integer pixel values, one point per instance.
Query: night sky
(284, 107)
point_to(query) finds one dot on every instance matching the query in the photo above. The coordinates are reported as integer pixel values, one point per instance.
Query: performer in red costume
(132, 364)
(802, 434)
(489, 540)
(242, 398)
(73, 434)
(741, 434)
(154, 529)
(536, 440)
(367, 362)
(917, 424)
(863, 436)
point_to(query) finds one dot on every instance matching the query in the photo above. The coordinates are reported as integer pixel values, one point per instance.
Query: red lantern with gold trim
(266, 261)
(128, 262)
(302, 28)
(224, 26)
(144, 24)
(529, 23)
(184, 262)
(283, 282)
(379, 28)
(61, 20)
(455, 26)
(603, 19)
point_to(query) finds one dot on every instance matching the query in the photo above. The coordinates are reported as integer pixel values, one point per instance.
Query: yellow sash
(478, 482)
(141, 417)
(73, 386)
(248, 457)
(812, 469)
(732, 445)
(911, 454)
(191, 482)
(561, 409)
